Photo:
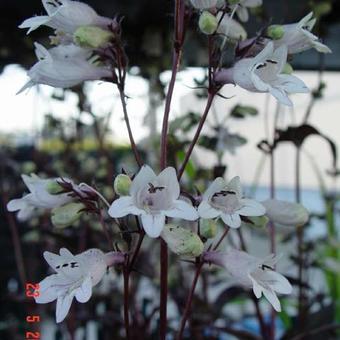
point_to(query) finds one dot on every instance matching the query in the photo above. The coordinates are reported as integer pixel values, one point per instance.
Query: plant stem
(299, 238)
(127, 122)
(222, 238)
(126, 302)
(211, 96)
(187, 308)
(177, 52)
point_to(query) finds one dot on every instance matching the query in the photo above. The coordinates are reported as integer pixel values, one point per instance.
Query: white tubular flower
(298, 37)
(242, 8)
(75, 276)
(230, 28)
(154, 197)
(225, 200)
(204, 4)
(263, 74)
(66, 16)
(286, 213)
(64, 66)
(39, 197)
(252, 272)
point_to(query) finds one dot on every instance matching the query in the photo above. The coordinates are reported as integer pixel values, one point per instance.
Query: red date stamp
(32, 291)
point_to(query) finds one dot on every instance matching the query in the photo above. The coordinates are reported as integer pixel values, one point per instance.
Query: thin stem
(272, 196)
(197, 134)
(137, 249)
(299, 237)
(187, 308)
(222, 238)
(19, 259)
(163, 289)
(177, 52)
(96, 192)
(126, 302)
(127, 122)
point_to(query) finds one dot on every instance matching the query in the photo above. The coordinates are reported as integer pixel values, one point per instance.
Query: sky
(24, 114)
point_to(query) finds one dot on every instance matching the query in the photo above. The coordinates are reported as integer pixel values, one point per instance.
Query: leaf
(240, 111)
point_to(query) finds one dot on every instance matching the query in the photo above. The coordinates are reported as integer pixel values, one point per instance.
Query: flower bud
(67, 214)
(92, 37)
(208, 228)
(207, 23)
(275, 32)
(53, 187)
(286, 213)
(182, 241)
(287, 69)
(257, 221)
(122, 185)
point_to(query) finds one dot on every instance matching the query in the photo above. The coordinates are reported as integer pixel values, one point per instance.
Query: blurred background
(80, 133)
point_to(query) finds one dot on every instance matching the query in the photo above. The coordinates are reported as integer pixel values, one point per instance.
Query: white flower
(66, 16)
(286, 213)
(204, 4)
(298, 37)
(230, 27)
(64, 66)
(75, 276)
(225, 200)
(252, 272)
(154, 197)
(39, 197)
(263, 74)
(242, 11)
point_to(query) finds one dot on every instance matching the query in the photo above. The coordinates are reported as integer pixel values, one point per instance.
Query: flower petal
(217, 185)
(257, 289)
(145, 175)
(84, 292)
(153, 224)
(16, 204)
(35, 22)
(63, 306)
(281, 96)
(233, 221)
(47, 293)
(235, 185)
(123, 206)
(205, 210)
(277, 282)
(182, 210)
(168, 178)
(272, 298)
(291, 84)
(251, 208)
(242, 13)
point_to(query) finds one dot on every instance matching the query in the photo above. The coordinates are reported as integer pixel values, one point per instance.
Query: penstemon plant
(88, 46)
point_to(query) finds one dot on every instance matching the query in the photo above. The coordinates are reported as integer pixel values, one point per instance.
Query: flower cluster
(262, 67)
(79, 33)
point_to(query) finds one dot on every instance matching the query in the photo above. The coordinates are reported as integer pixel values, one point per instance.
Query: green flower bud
(207, 23)
(208, 228)
(286, 213)
(53, 187)
(28, 167)
(67, 214)
(182, 241)
(92, 37)
(122, 185)
(275, 32)
(256, 221)
(287, 69)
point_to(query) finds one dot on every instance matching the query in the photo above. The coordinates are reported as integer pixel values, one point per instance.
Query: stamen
(74, 265)
(154, 189)
(65, 265)
(264, 266)
(261, 66)
(224, 193)
(272, 61)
